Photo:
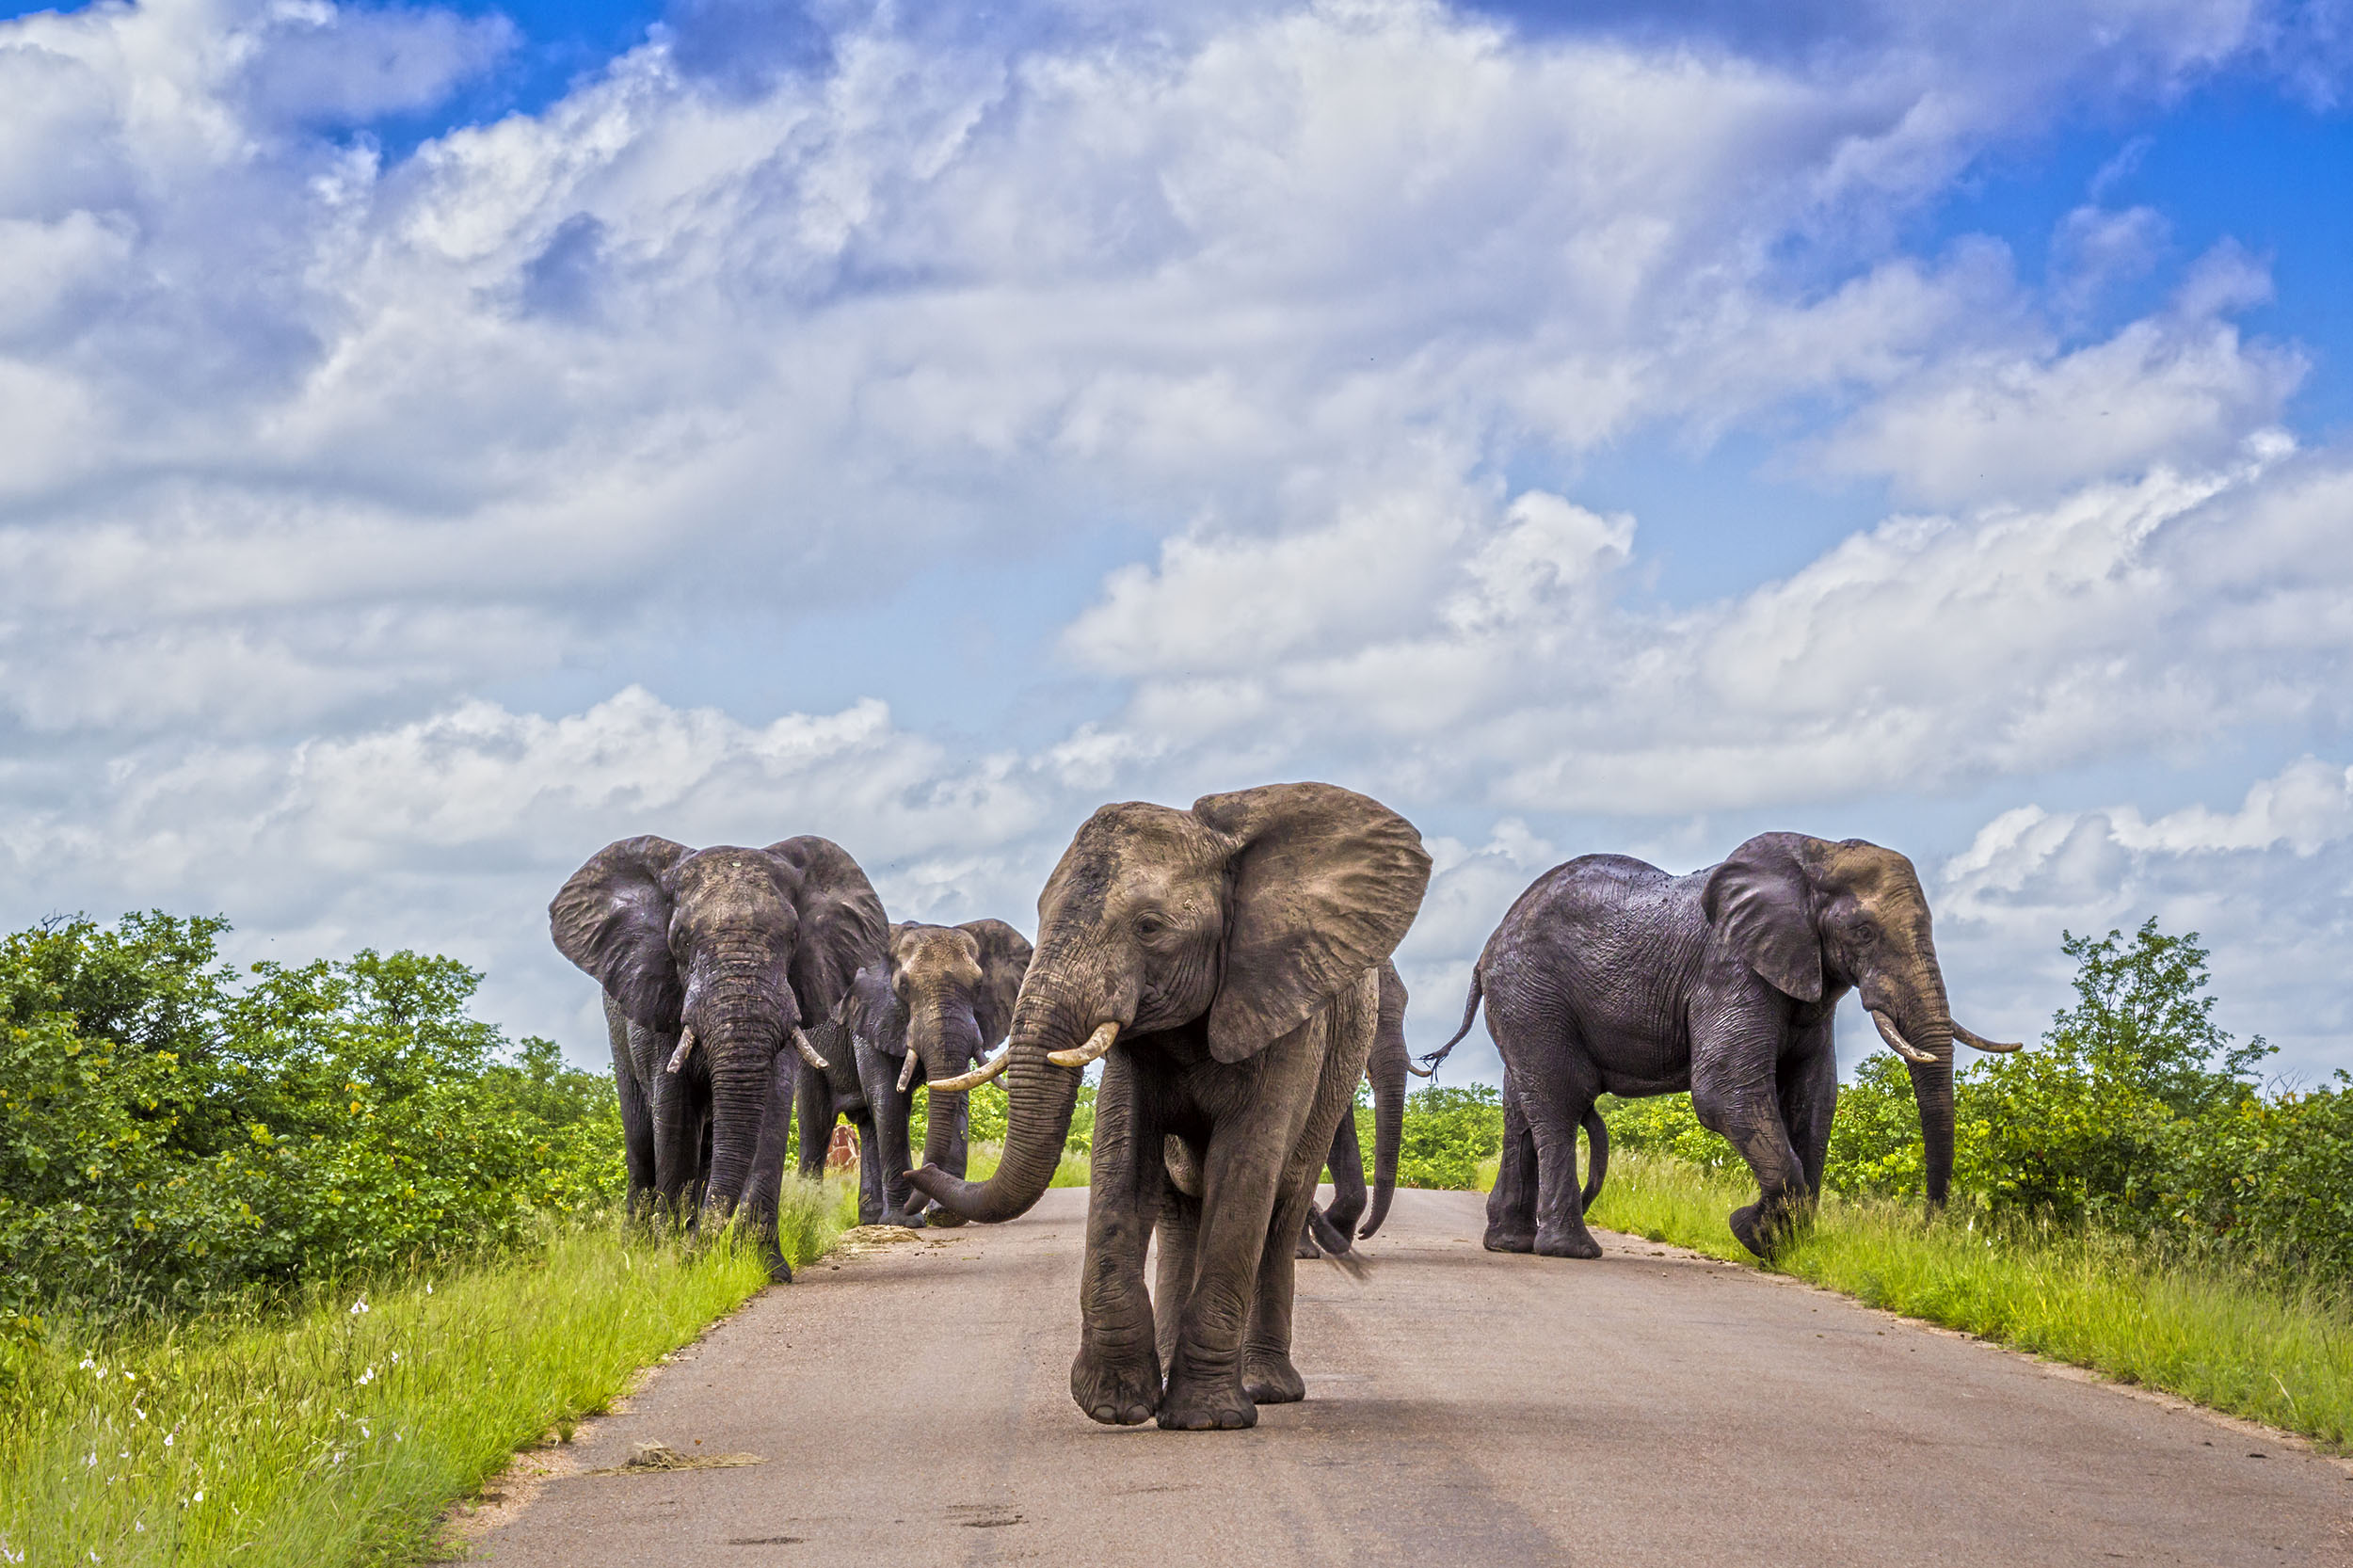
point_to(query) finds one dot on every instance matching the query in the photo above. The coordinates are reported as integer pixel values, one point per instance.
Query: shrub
(171, 1131)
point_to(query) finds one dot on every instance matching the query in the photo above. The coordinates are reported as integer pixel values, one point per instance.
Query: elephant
(939, 999)
(714, 961)
(1610, 976)
(1223, 964)
(1333, 1230)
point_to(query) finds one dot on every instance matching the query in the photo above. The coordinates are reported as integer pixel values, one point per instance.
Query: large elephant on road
(1334, 1229)
(1223, 964)
(714, 961)
(941, 998)
(1610, 976)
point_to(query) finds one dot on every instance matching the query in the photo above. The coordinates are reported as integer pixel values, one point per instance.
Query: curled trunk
(1040, 1097)
(1387, 1070)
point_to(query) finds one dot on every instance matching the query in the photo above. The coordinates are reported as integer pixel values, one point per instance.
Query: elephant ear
(842, 929)
(1760, 902)
(1004, 959)
(873, 1012)
(1322, 884)
(613, 920)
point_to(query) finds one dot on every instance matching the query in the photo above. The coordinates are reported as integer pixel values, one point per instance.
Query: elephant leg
(1242, 1178)
(1269, 1375)
(636, 1123)
(870, 1170)
(1511, 1207)
(814, 1112)
(765, 1183)
(1115, 1377)
(1742, 1104)
(1809, 1098)
(681, 1130)
(887, 1151)
(1554, 1104)
(1177, 1235)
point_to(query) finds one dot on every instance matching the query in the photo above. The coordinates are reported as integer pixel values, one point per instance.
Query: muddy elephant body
(1223, 965)
(716, 964)
(1610, 976)
(941, 998)
(1333, 1229)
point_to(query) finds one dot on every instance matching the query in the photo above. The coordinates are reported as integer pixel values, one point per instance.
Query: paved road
(913, 1407)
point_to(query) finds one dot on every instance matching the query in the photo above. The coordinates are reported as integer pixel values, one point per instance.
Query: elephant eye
(1865, 934)
(1148, 927)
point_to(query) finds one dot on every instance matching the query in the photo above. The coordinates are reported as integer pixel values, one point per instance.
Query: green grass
(339, 1432)
(1073, 1170)
(2250, 1342)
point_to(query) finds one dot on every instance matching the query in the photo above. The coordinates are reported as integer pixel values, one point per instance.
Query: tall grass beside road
(2251, 1342)
(339, 1431)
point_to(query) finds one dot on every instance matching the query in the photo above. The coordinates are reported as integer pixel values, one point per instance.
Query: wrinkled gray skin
(1610, 976)
(1236, 946)
(741, 946)
(1334, 1229)
(944, 993)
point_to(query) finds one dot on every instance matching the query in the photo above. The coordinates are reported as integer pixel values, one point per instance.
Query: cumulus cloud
(2264, 885)
(321, 453)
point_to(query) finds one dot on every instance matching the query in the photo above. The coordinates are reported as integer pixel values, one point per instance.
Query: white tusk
(685, 1045)
(972, 1079)
(809, 1052)
(1970, 1037)
(906, 1074)
(1895, 1041)
(1099, 1045)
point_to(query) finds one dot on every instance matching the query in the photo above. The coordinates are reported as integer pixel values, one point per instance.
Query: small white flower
(364, 1431)
(139, 1526)
(198, 1497)
(395, 1358)
(138, 1412)
(429, 1288)
(367, 1377)
(92, 1462)
(359, 1307)
(335, 1458)
(87, 1364)
(166, 1440)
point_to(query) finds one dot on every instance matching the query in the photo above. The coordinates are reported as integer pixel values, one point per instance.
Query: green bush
(1447, 1132)
(172, 1131)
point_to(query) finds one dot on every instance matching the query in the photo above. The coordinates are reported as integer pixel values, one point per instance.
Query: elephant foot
(1508, 1238)
(779, 1272)
(1331, 1238)
(1268, 1376)
(1305, 1248)
(1567, 1243)
(1762, 1237)
(1118, 1393)
(1196, 1408)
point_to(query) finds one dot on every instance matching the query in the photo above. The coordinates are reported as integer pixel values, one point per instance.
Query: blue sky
(449, 437)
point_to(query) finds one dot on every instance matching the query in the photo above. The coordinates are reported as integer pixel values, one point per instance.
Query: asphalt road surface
(912, 1406)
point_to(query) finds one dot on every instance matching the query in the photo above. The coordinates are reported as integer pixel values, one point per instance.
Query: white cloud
(2269, 887)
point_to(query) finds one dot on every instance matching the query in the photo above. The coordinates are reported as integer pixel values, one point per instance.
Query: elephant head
(1815, 918)
(941, 997)
(735, 951)
(1237, 921)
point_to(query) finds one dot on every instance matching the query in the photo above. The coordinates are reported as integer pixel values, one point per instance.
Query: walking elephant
(1334, 1229)
(939, 999)
(1610, 976)
(1223, 964)
(714, 961)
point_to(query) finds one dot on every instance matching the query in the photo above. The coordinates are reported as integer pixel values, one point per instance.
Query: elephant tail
(1470, 1015)
(1596, 1157)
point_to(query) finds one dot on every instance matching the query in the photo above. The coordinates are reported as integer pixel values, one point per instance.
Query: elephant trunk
(741, 1025)
(1387, 1070)
(1040, 1097)
(946, 1044)
(1915, 1014)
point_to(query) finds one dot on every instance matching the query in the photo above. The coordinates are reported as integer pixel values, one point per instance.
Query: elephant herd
(1229, 968)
